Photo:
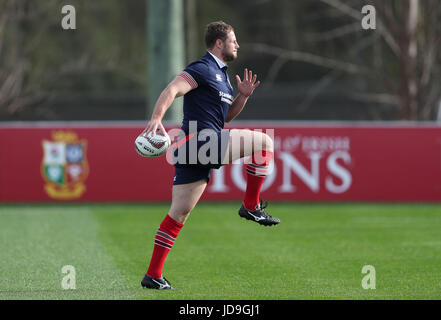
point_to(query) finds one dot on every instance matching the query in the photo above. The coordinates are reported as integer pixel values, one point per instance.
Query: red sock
(164, 240)
(257, 170)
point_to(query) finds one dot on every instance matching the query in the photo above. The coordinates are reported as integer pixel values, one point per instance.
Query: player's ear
(219, 43)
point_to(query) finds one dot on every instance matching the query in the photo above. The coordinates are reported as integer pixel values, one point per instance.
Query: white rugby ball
(149, 146)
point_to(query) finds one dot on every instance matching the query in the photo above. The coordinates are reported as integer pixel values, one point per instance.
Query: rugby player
(208, 104)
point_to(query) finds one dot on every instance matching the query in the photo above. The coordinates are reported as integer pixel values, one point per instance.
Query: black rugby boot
(259, 215)
(156, 283)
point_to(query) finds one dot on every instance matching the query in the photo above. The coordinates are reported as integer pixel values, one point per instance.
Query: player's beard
(228, 56)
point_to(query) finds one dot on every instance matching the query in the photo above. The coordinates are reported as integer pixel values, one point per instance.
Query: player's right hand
(153, 126)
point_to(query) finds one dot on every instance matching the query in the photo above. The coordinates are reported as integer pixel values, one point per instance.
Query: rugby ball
(149, 146)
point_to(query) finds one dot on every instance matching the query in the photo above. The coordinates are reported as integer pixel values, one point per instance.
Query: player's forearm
(236, 107)
(164, 102)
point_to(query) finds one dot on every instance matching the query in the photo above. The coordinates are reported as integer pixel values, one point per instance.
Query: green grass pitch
(317, 252)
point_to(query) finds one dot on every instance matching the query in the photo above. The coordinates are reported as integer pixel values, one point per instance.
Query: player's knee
(268, 143)
(262, 141)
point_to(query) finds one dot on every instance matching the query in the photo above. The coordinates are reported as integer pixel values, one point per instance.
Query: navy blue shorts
(190, 168)
(190, 174)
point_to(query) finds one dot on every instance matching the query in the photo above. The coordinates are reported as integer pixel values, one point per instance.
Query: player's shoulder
(201, 65)
(204, 64)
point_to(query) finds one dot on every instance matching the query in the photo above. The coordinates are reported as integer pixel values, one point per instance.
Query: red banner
(314, 162)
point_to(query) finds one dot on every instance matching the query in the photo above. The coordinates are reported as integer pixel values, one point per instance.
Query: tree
(398, 62)
(39, 61)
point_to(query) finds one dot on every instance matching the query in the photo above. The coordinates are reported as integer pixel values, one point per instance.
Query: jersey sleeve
(195, 74)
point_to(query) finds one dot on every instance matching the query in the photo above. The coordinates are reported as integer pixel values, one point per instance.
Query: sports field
(317, 252)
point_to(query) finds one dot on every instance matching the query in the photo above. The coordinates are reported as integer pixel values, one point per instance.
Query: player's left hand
(248, 84)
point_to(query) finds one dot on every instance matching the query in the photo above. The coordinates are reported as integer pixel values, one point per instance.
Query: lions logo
(64, 166)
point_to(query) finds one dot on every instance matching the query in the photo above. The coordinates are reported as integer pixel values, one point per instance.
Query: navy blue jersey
(209, 101)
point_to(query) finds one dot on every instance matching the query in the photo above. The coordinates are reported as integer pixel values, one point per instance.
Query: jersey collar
(218, 61)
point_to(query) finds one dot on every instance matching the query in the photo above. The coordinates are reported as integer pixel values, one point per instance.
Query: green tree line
(319, 42)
